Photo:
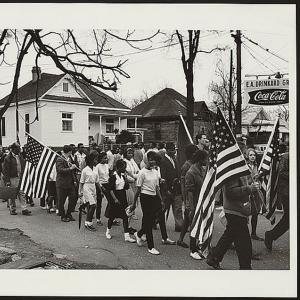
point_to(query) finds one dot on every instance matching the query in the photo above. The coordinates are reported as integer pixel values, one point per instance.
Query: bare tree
(137, 101)
(190, 47)
(220, 91)
(84, 62)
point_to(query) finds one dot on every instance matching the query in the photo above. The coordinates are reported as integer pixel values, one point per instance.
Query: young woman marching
(150, 197)
(87, 187)
(255, 208)
(132, 170)
(117, 201)
(102, 170)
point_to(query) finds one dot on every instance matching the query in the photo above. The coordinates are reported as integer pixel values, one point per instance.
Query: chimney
(36, 73)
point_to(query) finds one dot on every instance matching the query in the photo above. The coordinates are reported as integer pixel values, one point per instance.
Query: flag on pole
(226, 162)
(39, 162)
(269, 166)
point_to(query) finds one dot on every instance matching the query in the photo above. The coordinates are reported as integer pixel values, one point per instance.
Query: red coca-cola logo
(269, 97)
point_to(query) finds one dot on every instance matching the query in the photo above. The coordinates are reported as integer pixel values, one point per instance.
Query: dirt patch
(32, 255)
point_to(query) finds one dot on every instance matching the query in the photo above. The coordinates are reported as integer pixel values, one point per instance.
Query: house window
(67, 121)
(65, 87)
(3, 127)
(27, 129)
(110, 125)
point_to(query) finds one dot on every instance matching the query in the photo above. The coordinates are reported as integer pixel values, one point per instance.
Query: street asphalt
(92, 248)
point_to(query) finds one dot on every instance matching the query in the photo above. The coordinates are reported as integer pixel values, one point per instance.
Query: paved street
(92, 248)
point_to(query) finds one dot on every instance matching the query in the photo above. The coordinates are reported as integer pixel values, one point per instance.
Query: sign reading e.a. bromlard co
(267, 91)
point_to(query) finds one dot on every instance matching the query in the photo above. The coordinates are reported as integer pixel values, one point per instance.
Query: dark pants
(236, 231)
(283, 225)
(151, 205)
(187, 221)
(254, 219)
(99, 204)
(62, 194)
(52, 195)
(90, 212)
(175, 201)
(125, 223)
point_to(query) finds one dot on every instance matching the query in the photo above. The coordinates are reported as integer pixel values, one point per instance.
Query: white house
(68, 112)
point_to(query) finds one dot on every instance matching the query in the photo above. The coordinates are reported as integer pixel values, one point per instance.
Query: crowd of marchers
(133, 176)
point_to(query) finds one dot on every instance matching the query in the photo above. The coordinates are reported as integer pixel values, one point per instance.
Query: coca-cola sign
(267, 92)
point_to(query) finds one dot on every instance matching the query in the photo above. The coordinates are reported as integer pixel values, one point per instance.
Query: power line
(266, 49)
(255, 58)
(263, 58)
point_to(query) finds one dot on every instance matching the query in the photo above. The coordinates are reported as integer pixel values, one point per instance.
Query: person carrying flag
(283, 194)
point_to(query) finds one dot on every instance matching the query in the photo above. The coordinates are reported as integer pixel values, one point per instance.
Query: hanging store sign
(267, 92)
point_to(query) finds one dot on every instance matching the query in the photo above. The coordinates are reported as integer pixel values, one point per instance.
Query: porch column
(135, 123)
(100, 127)
(119, 124)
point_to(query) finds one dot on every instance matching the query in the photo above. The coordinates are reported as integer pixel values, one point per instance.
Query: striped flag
(226, 162)
(269, 166)
(39, 162)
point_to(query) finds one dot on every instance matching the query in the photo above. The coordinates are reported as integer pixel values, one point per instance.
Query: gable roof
(253, 113)
(47, 81)
(28, 90)
(166, 103)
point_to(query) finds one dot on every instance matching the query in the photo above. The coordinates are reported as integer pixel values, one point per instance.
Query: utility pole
(238, 115)
(230, 92)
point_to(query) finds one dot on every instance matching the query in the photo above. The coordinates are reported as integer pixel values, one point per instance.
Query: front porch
(104, 125)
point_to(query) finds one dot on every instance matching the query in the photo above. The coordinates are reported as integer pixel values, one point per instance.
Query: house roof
(99, 98)
(254, 113)
(165, 103)
(28, 90)
(47, 81)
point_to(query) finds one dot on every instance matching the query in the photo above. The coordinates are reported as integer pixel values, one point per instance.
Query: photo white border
(262, 283)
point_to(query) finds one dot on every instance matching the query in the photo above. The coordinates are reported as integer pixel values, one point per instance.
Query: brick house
(160, 116)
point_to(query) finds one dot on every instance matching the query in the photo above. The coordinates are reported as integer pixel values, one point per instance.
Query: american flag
(39, 162)
(226, 162)
(269, 166)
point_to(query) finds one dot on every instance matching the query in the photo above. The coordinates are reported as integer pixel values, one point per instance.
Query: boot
(128, 238)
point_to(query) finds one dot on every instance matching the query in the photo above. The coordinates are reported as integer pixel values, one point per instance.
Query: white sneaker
(153, 251)
(144, 239)
(195, 255)
(128, 238)
(107, 234)
(138, 239)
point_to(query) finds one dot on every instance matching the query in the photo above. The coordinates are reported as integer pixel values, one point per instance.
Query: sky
(161, 67)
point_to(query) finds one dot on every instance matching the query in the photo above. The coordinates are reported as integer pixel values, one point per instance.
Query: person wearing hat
(13, 168)
(170, 188)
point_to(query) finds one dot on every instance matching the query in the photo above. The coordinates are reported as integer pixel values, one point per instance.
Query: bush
(124, 137)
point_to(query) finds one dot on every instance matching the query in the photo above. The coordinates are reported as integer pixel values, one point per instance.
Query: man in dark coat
(283, 195)
(65, 183)
(237, 208)
(169, 173)
(13, 168)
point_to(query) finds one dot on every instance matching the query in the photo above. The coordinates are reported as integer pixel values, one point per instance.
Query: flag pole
(185, 127)
(268, 145)
(52, 151)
